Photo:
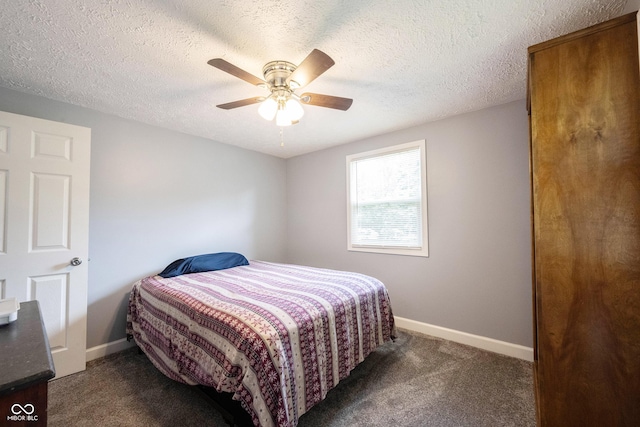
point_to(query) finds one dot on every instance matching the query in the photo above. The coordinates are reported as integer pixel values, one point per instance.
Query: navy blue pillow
(200, 263)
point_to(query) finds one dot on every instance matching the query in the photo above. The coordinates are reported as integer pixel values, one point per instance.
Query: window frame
(422, 251)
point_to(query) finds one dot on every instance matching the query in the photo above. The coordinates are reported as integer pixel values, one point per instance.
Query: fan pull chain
(281, 137)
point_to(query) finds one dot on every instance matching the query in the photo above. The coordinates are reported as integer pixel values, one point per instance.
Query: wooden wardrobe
(584, 115)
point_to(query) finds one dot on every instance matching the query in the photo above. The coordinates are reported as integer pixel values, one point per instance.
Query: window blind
(386, 200)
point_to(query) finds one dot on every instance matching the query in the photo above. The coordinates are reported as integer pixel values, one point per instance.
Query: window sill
(419, 252)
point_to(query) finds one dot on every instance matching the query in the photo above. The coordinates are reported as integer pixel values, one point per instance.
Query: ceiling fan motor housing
(276, 74)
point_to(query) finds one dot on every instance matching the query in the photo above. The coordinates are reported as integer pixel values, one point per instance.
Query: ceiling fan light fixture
(283, 118)
(268, 109)
(294, 109)
(282, 79)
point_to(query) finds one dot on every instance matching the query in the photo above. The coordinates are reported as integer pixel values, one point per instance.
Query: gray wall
(477, 278)
(158, 195)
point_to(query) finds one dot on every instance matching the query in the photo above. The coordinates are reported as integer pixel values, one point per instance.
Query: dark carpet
(417, 380)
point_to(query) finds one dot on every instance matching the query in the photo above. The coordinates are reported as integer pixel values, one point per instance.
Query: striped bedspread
(277, 336)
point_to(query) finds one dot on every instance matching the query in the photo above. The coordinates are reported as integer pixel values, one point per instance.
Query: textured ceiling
(403, 62)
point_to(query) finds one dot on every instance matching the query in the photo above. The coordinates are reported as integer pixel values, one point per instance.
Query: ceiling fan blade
(327, 101)
(227, 67)
(241, 103)
(316, 63)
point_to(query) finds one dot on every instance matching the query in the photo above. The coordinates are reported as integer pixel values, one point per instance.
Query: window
(387, 202)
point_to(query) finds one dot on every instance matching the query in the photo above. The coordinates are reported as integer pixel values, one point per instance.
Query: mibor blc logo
(24, 412)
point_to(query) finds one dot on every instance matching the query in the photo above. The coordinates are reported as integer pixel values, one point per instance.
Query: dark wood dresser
(25, 367)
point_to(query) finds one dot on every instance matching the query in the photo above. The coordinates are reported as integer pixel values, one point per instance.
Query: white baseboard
(108, 348)
(489, 344)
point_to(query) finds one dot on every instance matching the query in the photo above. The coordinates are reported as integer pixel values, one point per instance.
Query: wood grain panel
(585, 130)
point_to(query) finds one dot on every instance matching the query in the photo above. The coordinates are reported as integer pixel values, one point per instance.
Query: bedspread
(277, 336)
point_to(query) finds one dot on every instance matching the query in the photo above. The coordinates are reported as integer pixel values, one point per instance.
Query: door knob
(76, 261)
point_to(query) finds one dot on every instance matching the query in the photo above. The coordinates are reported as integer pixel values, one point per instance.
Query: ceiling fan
(282, 79)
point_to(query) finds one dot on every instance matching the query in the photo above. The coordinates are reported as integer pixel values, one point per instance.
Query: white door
(44, 225)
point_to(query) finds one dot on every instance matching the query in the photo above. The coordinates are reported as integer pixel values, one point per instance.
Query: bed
(277, 337)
